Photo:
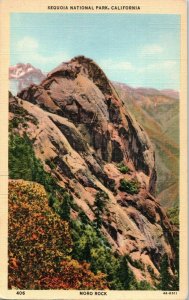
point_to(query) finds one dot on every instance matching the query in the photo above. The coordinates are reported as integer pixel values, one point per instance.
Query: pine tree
(65, 208)
(124, 273)
(165, 275)
(100, 203)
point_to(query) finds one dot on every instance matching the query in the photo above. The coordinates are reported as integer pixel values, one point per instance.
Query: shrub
(123, 168)
(39, 245)
(74, 275)
(135, 263)
(18, 110)
(101, 199)
(50, 163)
(129, 186)
(91, 246)
(84, 218)
(15, 122)
(165, 275)
(143, 285)
(124, 274)
(37, 236)
(173, 214)
(65, 207)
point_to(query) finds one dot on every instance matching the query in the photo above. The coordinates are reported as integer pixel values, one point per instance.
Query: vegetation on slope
(173, 214)
(40, 244)
(76, 248)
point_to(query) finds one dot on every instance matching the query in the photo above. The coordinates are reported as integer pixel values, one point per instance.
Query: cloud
(27, 44)
(151, 50)
(163, 66)
(57, 58)
(110, 64)
(28, 50)
(121, 66)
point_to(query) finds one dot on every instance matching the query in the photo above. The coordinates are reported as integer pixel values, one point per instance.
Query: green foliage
(165, 275)
(123, 168)
(168, 282)
(143, 286)
(152, 273)
(83, 217)
(85, 238)
(65, 207)
(130, 186)
(21, 117)
(101, 199)
(111, 185)
(175, 279)
(135, 263)
(91, 246)
(176, 250)
(173, 214)
(103, 259)
(19, 111)
(125, 275)
(21, 158)
(50, 163)
(23, 163)
(15, 122)
(175, 282)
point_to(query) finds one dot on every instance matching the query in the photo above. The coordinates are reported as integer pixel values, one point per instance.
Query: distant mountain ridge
(147, 90)
(27, 74)
(22, 76)
(158, 112)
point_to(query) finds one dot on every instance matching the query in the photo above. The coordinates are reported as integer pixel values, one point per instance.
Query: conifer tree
(124, 273)
(65, 208)
(165, 275)
(100, 203)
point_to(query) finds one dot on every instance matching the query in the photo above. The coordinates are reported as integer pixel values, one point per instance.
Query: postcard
(93, 161)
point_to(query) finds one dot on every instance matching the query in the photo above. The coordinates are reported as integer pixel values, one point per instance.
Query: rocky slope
(158, 112)
(84, 135)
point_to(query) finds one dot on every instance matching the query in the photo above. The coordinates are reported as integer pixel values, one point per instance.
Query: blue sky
(140, 50)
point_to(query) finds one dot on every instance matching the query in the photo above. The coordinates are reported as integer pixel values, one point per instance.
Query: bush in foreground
(40, 244)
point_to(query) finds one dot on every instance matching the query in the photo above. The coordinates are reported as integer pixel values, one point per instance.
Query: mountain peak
(23, 75)
(80, 91)
(85, 67)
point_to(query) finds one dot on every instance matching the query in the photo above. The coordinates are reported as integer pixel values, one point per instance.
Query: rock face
(80, 92)
(84, 129)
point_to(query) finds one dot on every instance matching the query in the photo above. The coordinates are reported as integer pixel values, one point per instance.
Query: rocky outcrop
(80, 92)
(84, 129)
